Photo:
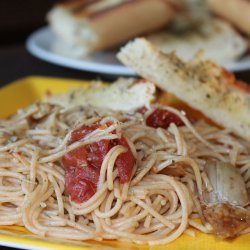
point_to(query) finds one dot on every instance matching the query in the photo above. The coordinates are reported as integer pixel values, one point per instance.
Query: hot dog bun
(235, 11)
(98, 25)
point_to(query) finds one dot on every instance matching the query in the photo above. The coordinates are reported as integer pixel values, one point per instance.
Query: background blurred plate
(43, 43)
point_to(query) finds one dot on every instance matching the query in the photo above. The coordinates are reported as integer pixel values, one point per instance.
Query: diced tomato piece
(80, 179)
(76, 157)
(162, 119)
(124, 161)
(80, 183)
(96, 153)
(82, 165)
(81, 132)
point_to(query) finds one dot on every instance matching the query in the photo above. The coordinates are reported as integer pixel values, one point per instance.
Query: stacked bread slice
(200, 83)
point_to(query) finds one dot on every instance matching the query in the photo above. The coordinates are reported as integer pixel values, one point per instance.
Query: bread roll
(235, 11)
(98, 25)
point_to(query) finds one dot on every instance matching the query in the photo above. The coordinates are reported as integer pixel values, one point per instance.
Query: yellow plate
(21, 93)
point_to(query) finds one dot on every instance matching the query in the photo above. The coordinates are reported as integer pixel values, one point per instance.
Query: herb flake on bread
(123, 94)
(202, 84)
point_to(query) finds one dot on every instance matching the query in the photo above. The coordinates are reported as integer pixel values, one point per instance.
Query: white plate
(42, 42)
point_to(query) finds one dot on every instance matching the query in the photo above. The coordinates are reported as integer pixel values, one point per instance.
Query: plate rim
(94, 67)
(64, 61)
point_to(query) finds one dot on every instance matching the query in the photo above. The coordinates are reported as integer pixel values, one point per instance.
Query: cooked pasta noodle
(154, 207)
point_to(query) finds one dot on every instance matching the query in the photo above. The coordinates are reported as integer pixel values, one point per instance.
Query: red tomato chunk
(82, 165)
(161, 118)
(78, 185)
(81, 132)
(124, 161)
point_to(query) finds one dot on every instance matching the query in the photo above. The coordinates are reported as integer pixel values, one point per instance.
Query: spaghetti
(160, 201)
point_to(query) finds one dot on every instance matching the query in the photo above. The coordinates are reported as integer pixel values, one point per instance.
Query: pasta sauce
(82, 165)
(161, 118)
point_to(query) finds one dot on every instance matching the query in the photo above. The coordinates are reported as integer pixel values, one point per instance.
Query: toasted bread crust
(201, 84)
(124, 94)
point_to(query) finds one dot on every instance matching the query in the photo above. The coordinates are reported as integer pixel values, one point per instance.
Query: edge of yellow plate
(24, 91)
